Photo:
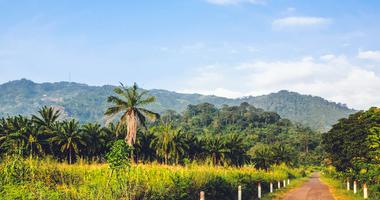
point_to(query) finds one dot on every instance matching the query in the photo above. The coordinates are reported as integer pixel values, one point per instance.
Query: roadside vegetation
(353, 151)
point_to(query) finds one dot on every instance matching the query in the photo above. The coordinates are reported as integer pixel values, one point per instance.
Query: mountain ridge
(87, 103)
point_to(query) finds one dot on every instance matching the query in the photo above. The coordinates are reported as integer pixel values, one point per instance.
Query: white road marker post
(284, 183)
(279, 185)
(348, 184)
(239, 192)
(365, 191)
(271, 187)
(202, 196)
(288, 181)
(355, 187)
(259, 190)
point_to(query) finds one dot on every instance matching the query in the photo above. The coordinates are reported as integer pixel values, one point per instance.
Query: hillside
(87, 103)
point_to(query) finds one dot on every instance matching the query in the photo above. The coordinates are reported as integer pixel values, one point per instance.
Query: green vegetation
(352, 146)
(175, 155)
(230, 135)
(32, 179)
(339, 190)
(88, 103)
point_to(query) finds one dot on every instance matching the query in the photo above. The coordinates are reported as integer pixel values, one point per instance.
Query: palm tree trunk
(70, 156)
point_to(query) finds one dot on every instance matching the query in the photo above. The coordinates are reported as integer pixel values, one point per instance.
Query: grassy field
(32, 179)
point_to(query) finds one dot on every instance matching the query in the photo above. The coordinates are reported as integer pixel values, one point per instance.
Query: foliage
(203, 133)
(52, 180)
(118, 157)
(352, 147)
(352, 143)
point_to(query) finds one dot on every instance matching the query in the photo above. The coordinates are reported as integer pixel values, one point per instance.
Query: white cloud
(333, 77)
(369, 55)
(300, 22)
(235, 2)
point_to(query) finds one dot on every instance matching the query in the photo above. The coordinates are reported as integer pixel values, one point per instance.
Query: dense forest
(24, 97)
(230, 135)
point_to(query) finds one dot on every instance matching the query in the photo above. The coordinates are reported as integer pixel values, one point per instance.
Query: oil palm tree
(48, 116)
(216, 147)
(68, 139)
(14, 136)
(130, 102)
(163, 142)
(95, 138)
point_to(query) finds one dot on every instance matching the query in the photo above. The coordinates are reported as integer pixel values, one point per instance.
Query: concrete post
(288, 181)
(348, 184)
(271, 187)
(284, 183)
(365, 191)
(279, 184)
(239, 192)
(259, 190)
(202, 196)
(355, 187)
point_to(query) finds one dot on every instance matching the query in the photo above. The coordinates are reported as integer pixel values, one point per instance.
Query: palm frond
(149, 114)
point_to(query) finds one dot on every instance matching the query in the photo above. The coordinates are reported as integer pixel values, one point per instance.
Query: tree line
(229, 135)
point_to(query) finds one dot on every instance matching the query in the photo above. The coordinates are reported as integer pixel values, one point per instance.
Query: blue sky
(228, 48)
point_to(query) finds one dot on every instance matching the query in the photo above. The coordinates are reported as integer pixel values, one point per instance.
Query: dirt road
(313, 189)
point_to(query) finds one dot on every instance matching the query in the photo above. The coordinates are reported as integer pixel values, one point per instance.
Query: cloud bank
(333, 77)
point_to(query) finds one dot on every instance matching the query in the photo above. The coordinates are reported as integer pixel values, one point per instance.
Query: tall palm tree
(130, 101)
(68, 139)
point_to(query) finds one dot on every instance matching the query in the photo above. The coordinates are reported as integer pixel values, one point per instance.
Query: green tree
(48, 116)
(68, 139)
(262, 156)
(95, 140)
(130, 101)
(348, 144)
(215, 146)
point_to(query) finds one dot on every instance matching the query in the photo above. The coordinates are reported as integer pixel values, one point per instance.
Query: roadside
(338, 189)
(279, 194)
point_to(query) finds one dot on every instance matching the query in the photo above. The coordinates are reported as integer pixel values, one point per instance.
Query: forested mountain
(88, 103)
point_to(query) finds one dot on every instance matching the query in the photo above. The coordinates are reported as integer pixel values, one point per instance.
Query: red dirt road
(313, 189)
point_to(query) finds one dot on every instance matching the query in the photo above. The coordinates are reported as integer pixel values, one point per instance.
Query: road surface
(313, 189)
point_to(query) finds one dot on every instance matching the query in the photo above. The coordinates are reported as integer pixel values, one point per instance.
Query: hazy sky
(228, 48)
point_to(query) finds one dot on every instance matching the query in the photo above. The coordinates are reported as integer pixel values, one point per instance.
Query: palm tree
(95, 138)
(237, 149)
(131, 102)
(283, 154)
(48, 116)
(262, 156)
(179, 145)
(163, 142)
(14, 136)
(215, 146)
(36, 140)
(143, 147)
(68, 139)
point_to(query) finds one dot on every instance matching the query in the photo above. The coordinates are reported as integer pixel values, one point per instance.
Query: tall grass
(47, 179)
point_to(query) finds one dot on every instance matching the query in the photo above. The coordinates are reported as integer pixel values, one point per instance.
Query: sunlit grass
(338, 189)
(48, 179)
